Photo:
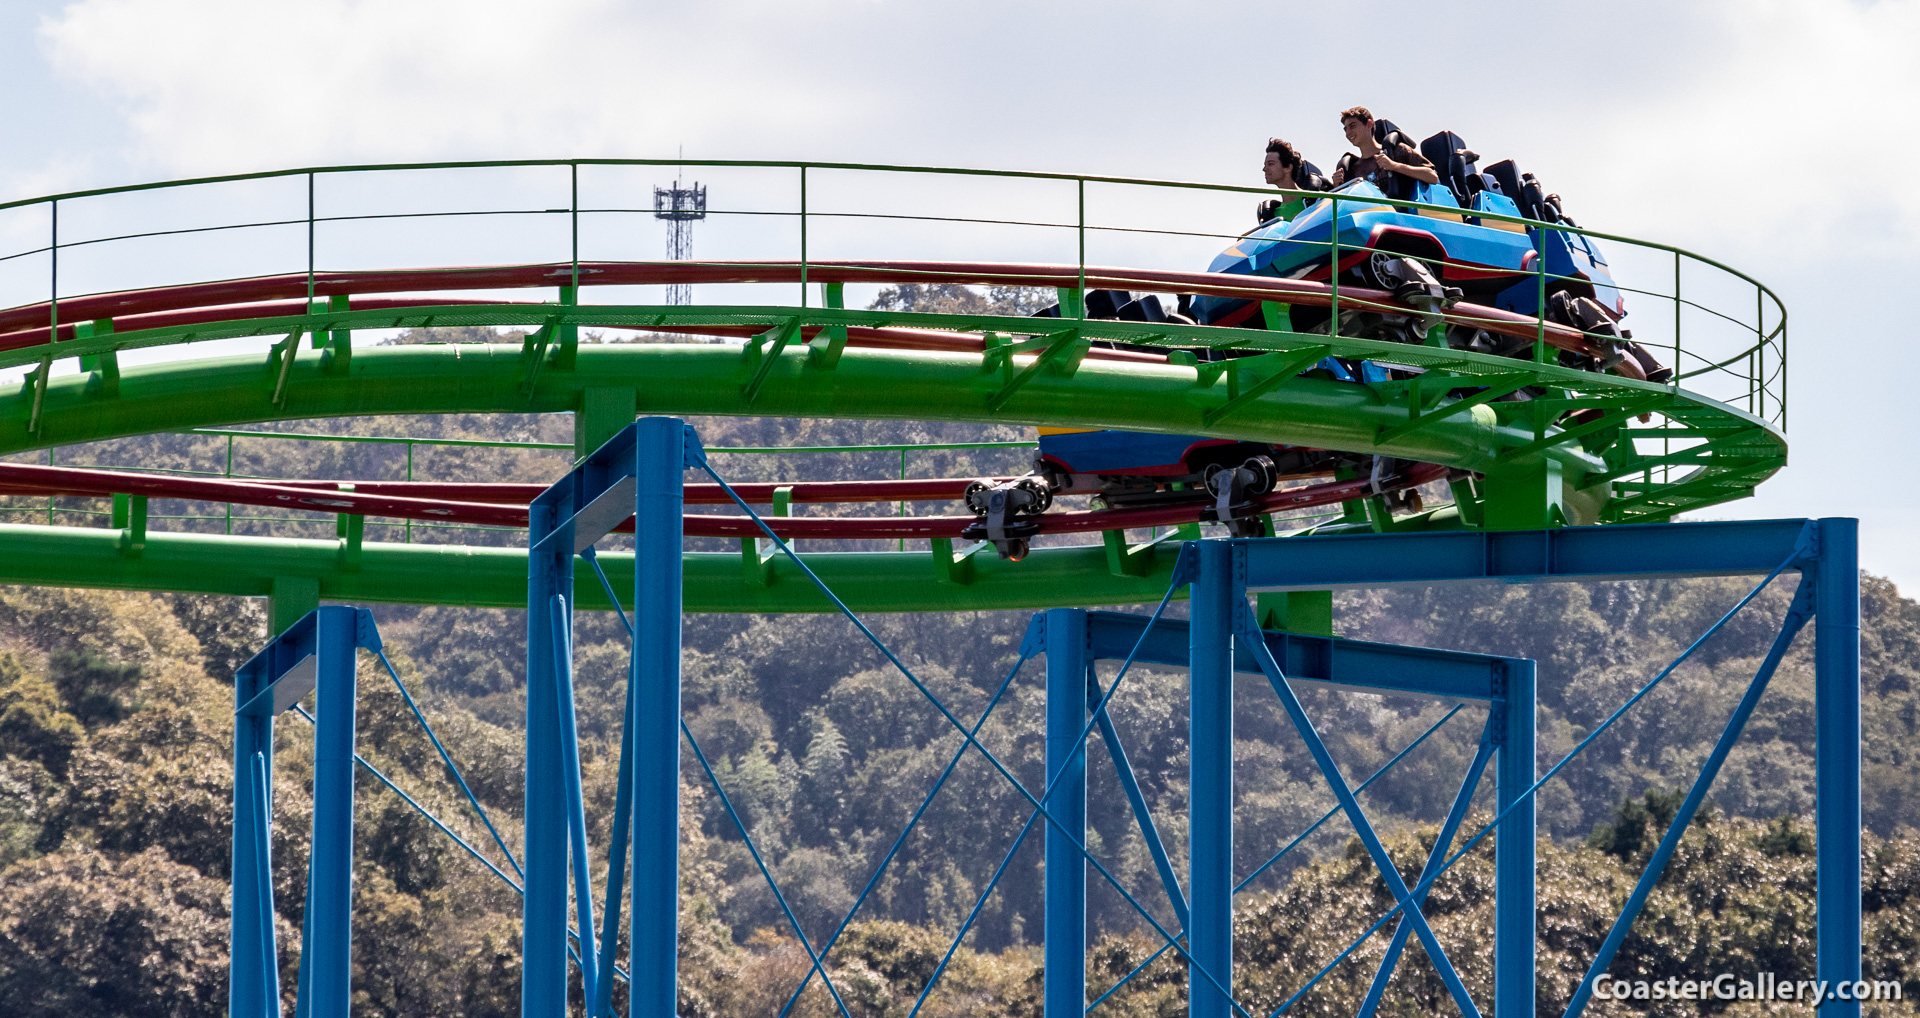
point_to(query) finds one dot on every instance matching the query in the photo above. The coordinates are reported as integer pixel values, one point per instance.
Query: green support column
(1524, 496)
(292, 598)
(600, 415)
(1306, 612)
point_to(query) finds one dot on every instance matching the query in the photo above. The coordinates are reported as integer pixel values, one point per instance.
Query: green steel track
(1536, 467)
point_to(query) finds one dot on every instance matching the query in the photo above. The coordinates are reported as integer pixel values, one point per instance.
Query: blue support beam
(1627, 552)
(639, 473)
(1064, 992)
(1350, 664)
(331, 900)
(663, 448)
(316, 652)
(1514, 844)
(543, 925)
(253, 986)
(1217, 592)
(1836, 707)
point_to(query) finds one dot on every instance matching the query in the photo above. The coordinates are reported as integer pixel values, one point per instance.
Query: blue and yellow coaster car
(1132, 468)
(1492, 261)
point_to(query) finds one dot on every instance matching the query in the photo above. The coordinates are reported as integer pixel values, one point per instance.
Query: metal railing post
(803, 237)
(1540, 293)
(1677, 367)
(1333, 264)
(1081, 185)
(1760, 346)
(53, 273)
(574, 215)
(229, 476)
(310, 266)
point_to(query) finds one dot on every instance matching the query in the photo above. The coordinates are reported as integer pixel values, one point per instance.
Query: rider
(1284, 168)
(1394, 164)
(1397, 158)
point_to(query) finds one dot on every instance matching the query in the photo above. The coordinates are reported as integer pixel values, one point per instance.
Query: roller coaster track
(1579, 432)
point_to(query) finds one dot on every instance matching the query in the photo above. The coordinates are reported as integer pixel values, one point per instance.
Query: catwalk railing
(107, 290)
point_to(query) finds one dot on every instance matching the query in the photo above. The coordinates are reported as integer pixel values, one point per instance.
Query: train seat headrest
(1454, 161)
(1107, 303)
(1507, 175)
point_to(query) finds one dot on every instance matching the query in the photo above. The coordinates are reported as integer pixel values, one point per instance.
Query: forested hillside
(116, 716)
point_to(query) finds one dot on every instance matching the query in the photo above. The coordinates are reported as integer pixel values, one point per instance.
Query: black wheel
(1265, 474)
(1377, 271)
(1042, 495)
(974, 489)
(1212, 476)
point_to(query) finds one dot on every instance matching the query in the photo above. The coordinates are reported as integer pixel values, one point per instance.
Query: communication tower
(680, 207)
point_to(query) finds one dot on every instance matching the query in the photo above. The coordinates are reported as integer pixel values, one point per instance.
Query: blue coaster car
(1490, 261)
(1428, 259)
(1131, 469)
(1433, 258)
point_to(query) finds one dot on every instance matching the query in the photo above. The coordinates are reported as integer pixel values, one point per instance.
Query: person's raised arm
(1421, 171)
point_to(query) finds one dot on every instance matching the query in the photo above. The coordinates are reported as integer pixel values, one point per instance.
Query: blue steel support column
(253, 984)
(659, 462)
(330, 900)
(1066, 887)
(1513, 910)
(543, 929)
(1210, 756)
(1836, 707)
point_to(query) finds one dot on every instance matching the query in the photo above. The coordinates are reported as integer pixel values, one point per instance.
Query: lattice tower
(680, 207)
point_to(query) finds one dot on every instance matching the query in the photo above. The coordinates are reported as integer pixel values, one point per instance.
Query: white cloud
(1795, 122)
(223, 84)
(1777, 135)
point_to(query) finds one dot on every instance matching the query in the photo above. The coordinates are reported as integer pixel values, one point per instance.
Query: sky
(1773, 135)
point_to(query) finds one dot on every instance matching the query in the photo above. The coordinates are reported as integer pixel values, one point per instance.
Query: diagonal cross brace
(1059, 345)
(760, 861)
(1288, 369)
(1180, 577)
(973, 914)
(1691, 454)
(782, 336)
(1496, 387)
(1435, 857)
(576, 802)
(1028, 650)
(1797, 615)
(1803, 547)
(622, 809)
(1357, 789)
(1601, 423)
(616, 863)
(1257, 646)
(1138, 801)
